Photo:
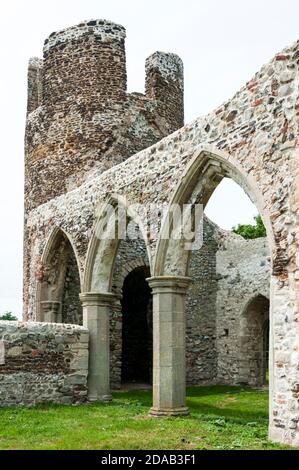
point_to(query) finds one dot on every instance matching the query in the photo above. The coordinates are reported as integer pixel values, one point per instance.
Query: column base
(161, 412)
(101, 398)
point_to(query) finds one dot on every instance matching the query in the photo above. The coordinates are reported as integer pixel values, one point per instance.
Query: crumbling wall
(71, 305)
(42, 363)
(227, 272)
(80, 116)
(243, 270)
(201, 310)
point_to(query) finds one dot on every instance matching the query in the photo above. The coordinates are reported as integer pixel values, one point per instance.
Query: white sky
(222, 43)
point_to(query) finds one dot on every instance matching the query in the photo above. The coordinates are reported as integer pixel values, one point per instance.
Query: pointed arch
(202, 175)
(204, 172)
(59, 285)
(112, 220)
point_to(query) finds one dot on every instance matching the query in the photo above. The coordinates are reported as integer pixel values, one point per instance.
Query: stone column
(51, 311)
(96, 309)
(169, 338)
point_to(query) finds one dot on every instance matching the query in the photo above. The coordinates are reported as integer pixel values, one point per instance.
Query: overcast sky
(222, 43)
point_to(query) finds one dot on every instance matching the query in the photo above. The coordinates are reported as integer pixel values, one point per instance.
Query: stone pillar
(96, 309)
(51, 311)
(169, 338)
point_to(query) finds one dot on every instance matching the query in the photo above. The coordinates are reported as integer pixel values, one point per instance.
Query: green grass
(221, 418)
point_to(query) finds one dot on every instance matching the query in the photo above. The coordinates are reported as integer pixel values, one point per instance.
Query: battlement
(164, 82)
(35, 85)
(106, 31)
(165, 66)
(86, 63)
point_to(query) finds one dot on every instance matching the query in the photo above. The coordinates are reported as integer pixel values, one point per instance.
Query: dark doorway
(137, 341)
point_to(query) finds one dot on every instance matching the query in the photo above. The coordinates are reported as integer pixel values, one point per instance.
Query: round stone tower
(85, 65)
(80, 118)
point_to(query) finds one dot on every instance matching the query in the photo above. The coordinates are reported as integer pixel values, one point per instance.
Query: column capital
(50, 305)
(98, 298)
(174, 284)
(51, 311)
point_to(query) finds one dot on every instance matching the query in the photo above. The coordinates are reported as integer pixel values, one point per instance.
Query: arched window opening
(230, 206)
(60, 286)
(225, 269)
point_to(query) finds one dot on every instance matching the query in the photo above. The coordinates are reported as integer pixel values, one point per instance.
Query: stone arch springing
(254, 341)
(110, 260)
(60, 284)
(205, 171)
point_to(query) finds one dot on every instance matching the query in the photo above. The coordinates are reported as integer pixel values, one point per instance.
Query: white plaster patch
(2, 352)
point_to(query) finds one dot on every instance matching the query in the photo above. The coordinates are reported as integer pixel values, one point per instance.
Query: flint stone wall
(243, 272)
(201, 359)
(80, 116)
(42, 363)
(227, 272)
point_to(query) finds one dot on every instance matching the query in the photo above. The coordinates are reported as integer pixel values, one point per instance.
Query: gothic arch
(59, 285)
(104, 243)
(99, 302)
(201, 177)
(170, 282)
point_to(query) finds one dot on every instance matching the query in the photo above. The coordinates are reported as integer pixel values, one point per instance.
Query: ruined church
(102, 312)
